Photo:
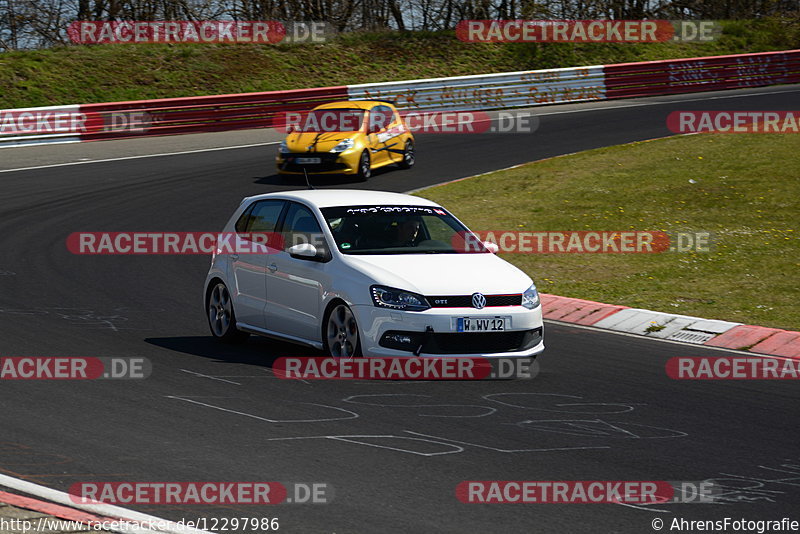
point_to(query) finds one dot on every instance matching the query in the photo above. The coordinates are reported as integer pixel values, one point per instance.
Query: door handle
(234, 257)
(272, 267)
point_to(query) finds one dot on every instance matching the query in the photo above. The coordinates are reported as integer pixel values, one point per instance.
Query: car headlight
(344, 144)
(530, 299)
(397, 299)
(283, 148)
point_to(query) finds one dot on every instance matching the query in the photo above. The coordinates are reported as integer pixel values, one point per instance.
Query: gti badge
(478, 300)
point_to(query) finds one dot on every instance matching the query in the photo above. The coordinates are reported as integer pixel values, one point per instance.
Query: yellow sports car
(349, 137)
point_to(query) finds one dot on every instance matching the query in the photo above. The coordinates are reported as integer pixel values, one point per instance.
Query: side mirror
(491, 247)
(303, 251)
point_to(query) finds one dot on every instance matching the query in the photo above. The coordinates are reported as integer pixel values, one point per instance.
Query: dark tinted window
(261, 217)
(301, 226)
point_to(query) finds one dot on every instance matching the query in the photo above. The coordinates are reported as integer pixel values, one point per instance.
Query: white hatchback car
(370, 273)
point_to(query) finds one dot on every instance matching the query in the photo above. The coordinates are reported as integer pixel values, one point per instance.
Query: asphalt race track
(391, 453)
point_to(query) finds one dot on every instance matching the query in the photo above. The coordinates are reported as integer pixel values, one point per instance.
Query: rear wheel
(364, 167)
(341, 332)
(408, 156)
(221, 317)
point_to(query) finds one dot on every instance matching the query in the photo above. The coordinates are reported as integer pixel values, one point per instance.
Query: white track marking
(556, 449)
(211, 377)
(138, 157)
(252, 416)
(351, 439)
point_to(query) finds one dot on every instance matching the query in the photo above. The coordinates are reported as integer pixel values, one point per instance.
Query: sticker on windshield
(345, 245)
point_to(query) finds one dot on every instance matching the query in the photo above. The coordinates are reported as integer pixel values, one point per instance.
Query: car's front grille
(465, 301)
(462, 342)
(327, 162)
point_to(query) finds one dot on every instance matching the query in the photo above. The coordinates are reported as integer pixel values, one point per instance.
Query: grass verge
(743, 188)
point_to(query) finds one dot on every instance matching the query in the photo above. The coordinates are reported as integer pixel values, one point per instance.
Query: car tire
(221, 317)
(364, 167)
(340, 334)
(409, 158)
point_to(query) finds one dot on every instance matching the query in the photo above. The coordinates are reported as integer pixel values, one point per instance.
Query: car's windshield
(387, 229)
(328, 120)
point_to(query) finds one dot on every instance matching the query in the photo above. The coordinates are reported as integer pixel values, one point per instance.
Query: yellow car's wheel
(408, 156)
(364, 167)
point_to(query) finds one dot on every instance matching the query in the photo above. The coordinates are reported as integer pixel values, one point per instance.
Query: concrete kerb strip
(107, 512)
(675, 327)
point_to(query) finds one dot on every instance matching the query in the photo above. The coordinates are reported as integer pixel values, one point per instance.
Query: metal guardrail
(492, 91)
(90, 122)
(702, 74)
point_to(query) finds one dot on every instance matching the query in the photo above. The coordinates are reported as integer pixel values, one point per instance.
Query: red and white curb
(89, 514)
(685, 328)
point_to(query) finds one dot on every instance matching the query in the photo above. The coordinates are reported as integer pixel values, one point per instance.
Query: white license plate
(481, 324)
(308, 161)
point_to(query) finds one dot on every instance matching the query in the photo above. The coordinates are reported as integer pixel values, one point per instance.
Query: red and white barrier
(91, 122)
(667, 77)
(169, 116)
(51, 124)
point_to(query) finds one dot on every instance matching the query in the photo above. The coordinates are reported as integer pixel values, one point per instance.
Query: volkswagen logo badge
(478, 300)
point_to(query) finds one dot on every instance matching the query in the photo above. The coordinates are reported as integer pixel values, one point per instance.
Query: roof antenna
(308, 183)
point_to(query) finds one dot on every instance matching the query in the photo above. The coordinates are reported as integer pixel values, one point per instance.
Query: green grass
(746, 192)
(106, 73)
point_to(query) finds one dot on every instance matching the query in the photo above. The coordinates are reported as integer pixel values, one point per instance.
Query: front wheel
(341, 333)
(221, 317)
(409, 157)
(364, 167)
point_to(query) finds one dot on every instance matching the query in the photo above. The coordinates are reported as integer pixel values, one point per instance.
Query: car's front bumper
(387, 332)
(330, 162)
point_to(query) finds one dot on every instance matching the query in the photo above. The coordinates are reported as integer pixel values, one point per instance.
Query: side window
(301, 226)
(244, 219)
(381, 116)
(261, 217)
